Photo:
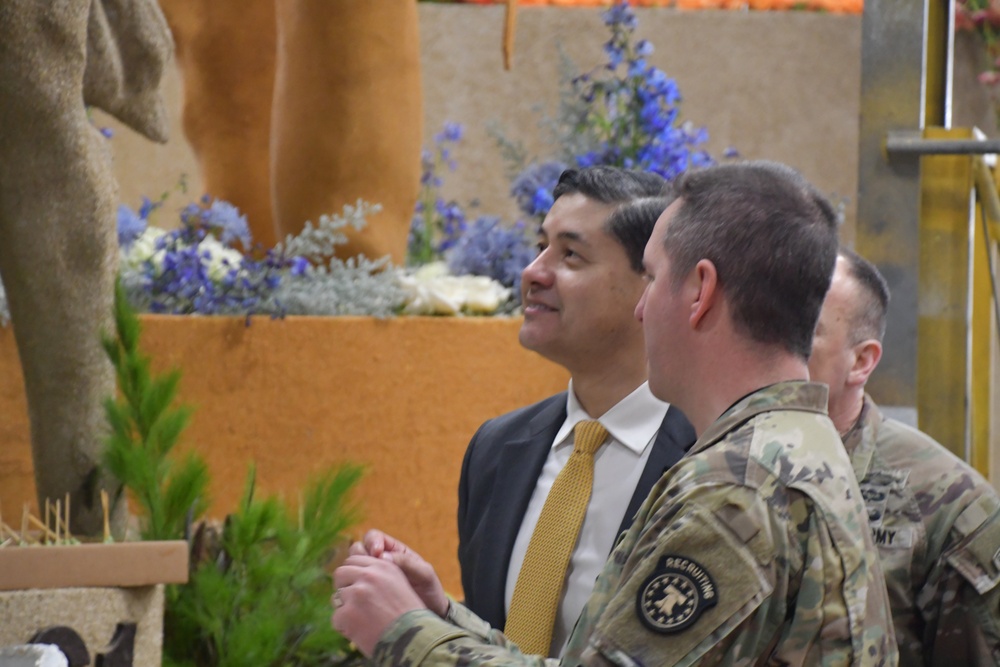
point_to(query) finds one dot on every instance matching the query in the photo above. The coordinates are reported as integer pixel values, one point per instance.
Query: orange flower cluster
(832, 6)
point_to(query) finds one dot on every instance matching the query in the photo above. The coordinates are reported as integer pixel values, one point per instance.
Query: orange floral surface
(832, 6)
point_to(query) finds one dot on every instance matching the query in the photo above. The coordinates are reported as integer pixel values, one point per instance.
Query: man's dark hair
(773, 240)
(631, 226)
(869, 315)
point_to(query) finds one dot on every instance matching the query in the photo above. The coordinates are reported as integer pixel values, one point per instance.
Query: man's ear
(704, 285)
(867, 354)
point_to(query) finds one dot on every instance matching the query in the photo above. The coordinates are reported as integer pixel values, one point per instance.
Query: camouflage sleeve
(465, 618)
(965, 627)
(424, 638)
(726, 579)
(691, 590)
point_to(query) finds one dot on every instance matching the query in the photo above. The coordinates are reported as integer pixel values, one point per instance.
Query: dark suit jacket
(499, 474)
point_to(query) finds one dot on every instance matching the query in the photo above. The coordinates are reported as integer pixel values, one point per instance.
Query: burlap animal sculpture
(58, 197)
(297, 107)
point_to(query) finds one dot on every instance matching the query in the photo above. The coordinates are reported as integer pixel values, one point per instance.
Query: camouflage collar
(860, 440)
(792, 395)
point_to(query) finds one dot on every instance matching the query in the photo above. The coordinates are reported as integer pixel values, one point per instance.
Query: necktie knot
(589, 436)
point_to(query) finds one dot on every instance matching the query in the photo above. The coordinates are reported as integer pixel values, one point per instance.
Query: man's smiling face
(579, 293)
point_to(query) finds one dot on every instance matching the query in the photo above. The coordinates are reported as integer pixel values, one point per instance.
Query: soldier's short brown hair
(869, 315)
(773, 240)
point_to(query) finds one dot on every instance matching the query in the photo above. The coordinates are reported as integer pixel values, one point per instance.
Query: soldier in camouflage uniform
(754, 549)
(935, 521)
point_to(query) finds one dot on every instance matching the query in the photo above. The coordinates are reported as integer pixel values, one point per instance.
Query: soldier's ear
(705, 291)
(867, 354)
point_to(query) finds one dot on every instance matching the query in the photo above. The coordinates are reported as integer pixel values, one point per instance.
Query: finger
(412, 565)
(375, 542)
(354, 567)
(351, 570)
(358, 549)
(378, 544)
(414, 568)
(337, 599)
(337, 620)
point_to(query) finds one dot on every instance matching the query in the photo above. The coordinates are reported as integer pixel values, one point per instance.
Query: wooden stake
(58, 514)
(4, 528)
(47, 535)
(107, 522)
(47, 516)
(68, 536)
(25, 519)
(510, 18)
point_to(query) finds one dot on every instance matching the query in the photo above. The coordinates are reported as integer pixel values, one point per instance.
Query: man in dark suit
(579, 295)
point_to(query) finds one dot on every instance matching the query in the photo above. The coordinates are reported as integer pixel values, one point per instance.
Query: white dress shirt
(632, 424)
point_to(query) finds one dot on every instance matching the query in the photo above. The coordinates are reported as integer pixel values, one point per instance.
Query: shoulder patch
(977, 558)
(675, 595)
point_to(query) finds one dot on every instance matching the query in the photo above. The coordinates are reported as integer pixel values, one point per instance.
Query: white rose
(143, 248)
(483, 294)
(221, 260)
(429, 296)
(430, 291)
(431, 270)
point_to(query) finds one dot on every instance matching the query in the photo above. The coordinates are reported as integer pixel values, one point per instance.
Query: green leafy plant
(260, 595)
(145, 427)
(259, 587)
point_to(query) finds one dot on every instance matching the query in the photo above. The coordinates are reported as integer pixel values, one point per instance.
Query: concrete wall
(783, 86)
(776, 85)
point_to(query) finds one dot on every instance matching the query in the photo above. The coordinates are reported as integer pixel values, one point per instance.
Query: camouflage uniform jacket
(936, 524)
(753, 549)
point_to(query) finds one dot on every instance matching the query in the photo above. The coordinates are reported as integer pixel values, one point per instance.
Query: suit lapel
(675, 437)
(518, 468)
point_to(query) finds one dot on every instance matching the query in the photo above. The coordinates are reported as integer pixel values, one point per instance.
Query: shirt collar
(633, 421)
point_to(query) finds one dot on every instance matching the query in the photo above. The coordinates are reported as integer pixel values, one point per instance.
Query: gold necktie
(539, 585)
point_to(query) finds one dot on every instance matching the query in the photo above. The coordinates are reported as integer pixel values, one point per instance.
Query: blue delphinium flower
(624, 113)
(631, 117)
(226, 218)
(452, 132)
(190, 270)
(532, 188)
(490, 248)
(219, 217)
(196, 270)
(436, 223)
(299, 265)
(620, 15)
(131, 225)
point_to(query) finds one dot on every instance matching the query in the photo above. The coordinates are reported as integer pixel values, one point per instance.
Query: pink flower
(990, 78)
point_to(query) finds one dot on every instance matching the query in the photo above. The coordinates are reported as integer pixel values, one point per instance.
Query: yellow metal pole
(936, 63)
(942, 335)
(981, 320)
